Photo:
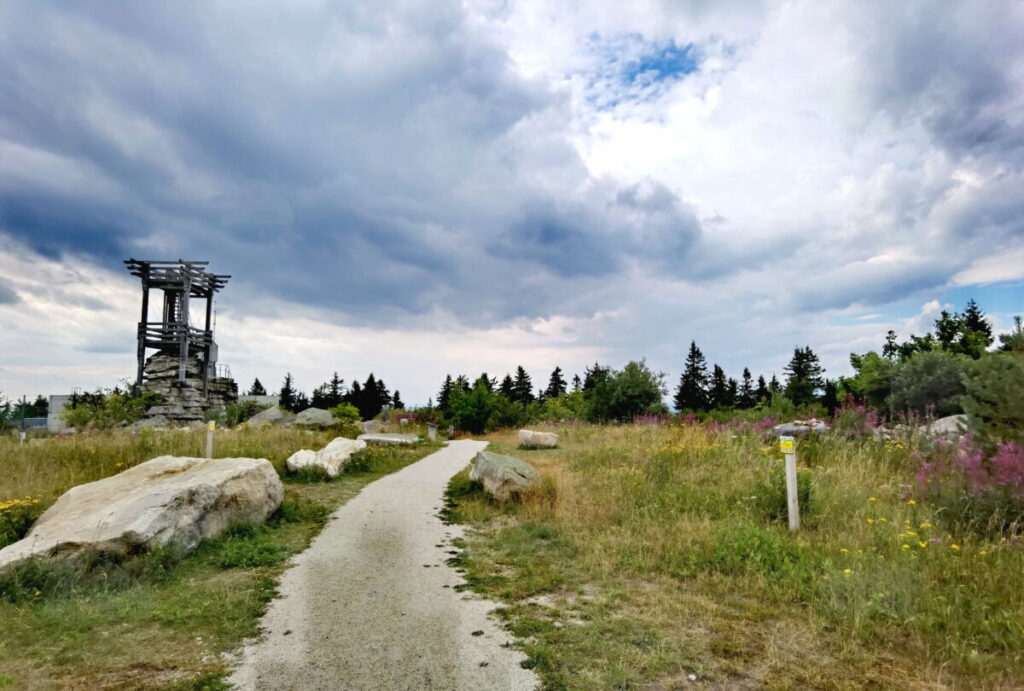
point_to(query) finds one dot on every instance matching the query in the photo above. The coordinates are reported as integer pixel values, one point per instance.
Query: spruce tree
(830, 399)
(355, 397)
(804, 376)
(396, 401)
(733, 393)
(745, 399)
(507, 388)
(692, 392)
(577, 384)
(257, 388)
(718, 392)
(445, 394)
(335, 390)
(522, 387)
(556, 384)
(301, 402)
(762, 389)
(487, 382)
(774, 386)
(286, 397)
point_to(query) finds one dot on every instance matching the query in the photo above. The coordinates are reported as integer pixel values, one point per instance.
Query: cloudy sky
(416, 188)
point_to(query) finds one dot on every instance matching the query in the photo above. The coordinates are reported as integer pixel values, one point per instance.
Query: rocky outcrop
(270, 416)
(528, 439)
(799, 428)
(316, 417)
(389, 439)
(330, 460)
(184, 403)
(168, 500)
(949, 427)
(503, 476)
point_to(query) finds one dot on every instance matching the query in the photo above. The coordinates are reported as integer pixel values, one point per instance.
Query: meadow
(651, 553)
(163, 620)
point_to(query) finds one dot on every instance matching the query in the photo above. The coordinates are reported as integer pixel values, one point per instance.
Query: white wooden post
(788, 447)
(431, 431)
(209, 439)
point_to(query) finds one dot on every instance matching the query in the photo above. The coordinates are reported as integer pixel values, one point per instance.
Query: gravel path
(370, 604)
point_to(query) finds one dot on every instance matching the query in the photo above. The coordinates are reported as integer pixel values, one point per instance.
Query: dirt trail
(367, 607)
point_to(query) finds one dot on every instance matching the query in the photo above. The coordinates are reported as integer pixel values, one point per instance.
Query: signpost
(788, 447)
(209, 438)
(431, 431)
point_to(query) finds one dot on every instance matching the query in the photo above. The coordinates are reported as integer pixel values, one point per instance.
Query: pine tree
(355, 397)
(507, 388)
(396, 401)
(335, 390)
(556, 384)
(804, 376)
(522, 387)
(487, 382)
(286, 397)
(774, 386)
(718, 391)
(461, 383)
(445, 394)
(301, 402)
(830, 399)
(762, 389)
(692, 392)
(732, 393)
(257, 388)
(975, 320)
(746, 393)
(577, 384)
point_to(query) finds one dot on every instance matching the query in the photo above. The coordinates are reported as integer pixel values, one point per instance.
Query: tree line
(370, 397)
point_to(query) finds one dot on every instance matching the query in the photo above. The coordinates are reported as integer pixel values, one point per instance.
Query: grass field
(163, 620)
(652, 553)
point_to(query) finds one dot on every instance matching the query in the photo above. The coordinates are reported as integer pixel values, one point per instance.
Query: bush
(16, 517)
(770, 499)
(105, 410)
(994, 400)
(928, 383)
(346, 413)
(974, 490)
(241, 411)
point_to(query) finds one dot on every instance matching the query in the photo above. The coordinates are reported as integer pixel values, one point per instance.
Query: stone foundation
(184, 403)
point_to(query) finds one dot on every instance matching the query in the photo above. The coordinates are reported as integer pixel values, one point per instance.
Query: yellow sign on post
(787, 446)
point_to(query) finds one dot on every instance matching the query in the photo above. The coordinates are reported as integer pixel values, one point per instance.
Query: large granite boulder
(949, 427)
(503, 476)
(270, 416)
(167, 500)
(330, 460)
(389, 439)
(529, 439)
(800, 428)
(316, 417)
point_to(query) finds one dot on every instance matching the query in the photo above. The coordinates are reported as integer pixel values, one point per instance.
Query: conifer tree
(556, 384)
(286, 398)
(396, 401)
(692, 392)
(487, 382)
(746, 399)
(804, 376)
(507, 388)
(577, 385)
(445, 394)
(522, 387)
(257, 388)
(718, 392)
(762, 389)
(774, 386)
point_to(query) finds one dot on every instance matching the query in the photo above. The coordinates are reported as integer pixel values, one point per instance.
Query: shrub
(770, 494)
(241, 411)
(974, 490)
(105, 410)
(16, 517)
(928, 383)
(346, 413)
(994, 400)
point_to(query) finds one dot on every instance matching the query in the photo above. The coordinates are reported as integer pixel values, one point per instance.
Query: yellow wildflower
(843, 549)
(954, 546)
(911, 502)
(847, 571)
(925, 525)
(38, 593)
(906, 546)
(983, 552)
(871, 521)
(922, 544)
(872, 499)
(883, 520)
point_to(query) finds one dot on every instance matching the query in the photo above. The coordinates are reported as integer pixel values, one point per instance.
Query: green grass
(161, 620)
(655, 552)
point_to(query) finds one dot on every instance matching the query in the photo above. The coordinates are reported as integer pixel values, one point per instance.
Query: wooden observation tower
(181, 281)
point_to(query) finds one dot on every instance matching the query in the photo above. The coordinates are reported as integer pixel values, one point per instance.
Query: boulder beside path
(316, 417)
(528, 439)
(169, 500)
(388, 439)
(330, 460)
(503, 476)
